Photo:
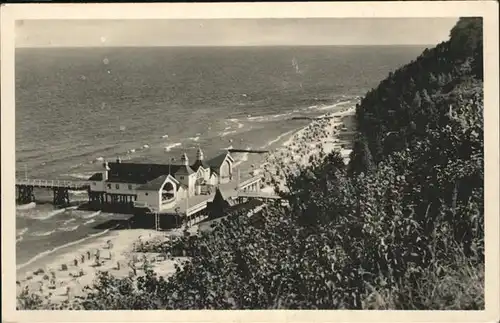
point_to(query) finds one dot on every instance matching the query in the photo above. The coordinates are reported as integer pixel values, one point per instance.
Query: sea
(76, 107)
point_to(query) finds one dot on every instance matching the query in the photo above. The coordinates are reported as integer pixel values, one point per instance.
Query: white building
(159, 186)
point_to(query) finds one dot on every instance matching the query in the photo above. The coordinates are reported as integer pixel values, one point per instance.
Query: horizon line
(220, 46)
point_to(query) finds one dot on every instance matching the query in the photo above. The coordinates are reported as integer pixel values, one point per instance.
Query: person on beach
(75, 262)
(82, 259)
(132, 266)
(88, 254)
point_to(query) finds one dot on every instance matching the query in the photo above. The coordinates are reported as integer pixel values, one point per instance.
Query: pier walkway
(258, 195)
(61, 188)
(45, 183)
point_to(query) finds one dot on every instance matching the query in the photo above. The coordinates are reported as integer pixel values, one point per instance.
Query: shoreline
(315, 137)
(40, 260)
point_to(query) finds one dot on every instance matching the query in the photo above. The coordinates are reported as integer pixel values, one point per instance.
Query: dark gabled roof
(199, 163)
(96, 177)
(218, 207)
(183, 169)
(144, 172)
(217, 161)
(156, 183)
(138, 173)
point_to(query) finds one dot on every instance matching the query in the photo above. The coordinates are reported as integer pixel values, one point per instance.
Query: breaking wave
(42, 233)
(69, 229)
(169, 147)
(26, 206)
(91, 215)
(48, 215)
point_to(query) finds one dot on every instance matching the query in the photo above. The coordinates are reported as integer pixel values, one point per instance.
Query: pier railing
(45, 183)
(259, 195)
(248, 182)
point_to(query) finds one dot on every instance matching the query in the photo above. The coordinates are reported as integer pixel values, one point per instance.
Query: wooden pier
(251, 151)
(60, 189)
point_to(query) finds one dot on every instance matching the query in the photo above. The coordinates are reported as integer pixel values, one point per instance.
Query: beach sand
(324, 134)
(56, 284)
(113, 251)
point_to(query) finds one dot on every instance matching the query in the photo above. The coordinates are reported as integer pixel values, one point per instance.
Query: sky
(233, 32)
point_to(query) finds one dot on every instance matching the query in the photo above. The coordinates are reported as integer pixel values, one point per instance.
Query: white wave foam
(84, 176)
(48, 252)
(48, 215)
(21, 232)
(26, 206)
(243, 158)
(99, 159)
(195, 138)
(225, 133)
(230, 147)
(164, 136)
(89, 221)
(169, 147)
(68, 229)
(335, 105)
(145, 146)
(69, 221)
(270, 117)
(269, 143)
(42, 234)
(92, 215)
(78, 192)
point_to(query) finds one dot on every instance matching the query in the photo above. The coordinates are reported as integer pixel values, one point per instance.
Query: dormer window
(129, 187)
(109, 186)
(117, 186)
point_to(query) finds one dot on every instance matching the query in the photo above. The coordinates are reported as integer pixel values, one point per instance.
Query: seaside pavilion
(157, 186)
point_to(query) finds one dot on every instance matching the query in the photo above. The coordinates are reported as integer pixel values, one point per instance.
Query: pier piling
(61, 196)
(25, 194)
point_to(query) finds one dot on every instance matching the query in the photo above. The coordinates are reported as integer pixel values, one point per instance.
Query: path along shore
(63, 274)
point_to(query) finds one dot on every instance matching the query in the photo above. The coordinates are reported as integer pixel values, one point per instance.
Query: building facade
(158, 187)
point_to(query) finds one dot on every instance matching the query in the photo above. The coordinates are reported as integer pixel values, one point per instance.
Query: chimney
(105, 172)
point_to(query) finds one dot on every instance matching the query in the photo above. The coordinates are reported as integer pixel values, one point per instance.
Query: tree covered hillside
(401, 227)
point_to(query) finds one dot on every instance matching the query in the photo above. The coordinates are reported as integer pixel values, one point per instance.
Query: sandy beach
(321, 135)
(64, 273)
(64, 276)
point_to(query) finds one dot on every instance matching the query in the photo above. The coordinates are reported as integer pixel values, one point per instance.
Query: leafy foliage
(402, 227)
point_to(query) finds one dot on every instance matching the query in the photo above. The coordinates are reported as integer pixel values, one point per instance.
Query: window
(182, 177)
(146, 194)
(129, 187)
(109, 185)
(93, 183)
(117, 186)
